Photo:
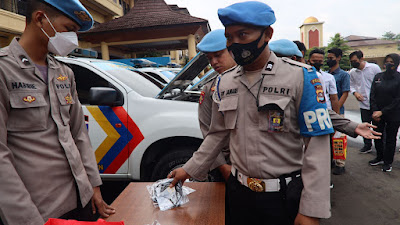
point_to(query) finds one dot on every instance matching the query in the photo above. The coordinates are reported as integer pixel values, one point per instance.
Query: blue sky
(347, 17)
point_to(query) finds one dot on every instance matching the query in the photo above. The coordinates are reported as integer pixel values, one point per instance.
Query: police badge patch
(62, 78)
(275, 120)
(320, 93)
(82, 15)
(318, 90)
(201, 99)
(29, 99)
(68, 99)
(213, 88)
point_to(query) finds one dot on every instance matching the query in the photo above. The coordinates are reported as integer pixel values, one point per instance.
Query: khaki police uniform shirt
(45, 152)
(205, 113)
(343, 124)
(255, 150)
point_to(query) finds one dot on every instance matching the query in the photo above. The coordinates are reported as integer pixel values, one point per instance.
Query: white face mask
(62, 43)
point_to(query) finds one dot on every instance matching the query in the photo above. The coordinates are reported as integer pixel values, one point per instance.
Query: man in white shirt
(330, 91)
(361, 77)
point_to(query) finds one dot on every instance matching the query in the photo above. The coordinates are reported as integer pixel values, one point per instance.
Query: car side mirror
(103, 96)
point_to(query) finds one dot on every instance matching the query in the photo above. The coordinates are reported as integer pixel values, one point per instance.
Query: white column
(191, 46)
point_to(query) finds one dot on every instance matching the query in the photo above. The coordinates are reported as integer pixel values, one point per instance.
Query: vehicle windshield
(170, 75)
(128, 76)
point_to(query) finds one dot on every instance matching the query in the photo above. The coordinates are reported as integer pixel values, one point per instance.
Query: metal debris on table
(165, 197)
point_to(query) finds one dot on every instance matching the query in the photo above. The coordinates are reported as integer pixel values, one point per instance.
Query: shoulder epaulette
(59, 61)
(292, 62)
(210, 80)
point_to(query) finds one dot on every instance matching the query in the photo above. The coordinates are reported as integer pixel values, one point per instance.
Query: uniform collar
(238, 70)
(52, 62)
(23, 58)
(269, 68)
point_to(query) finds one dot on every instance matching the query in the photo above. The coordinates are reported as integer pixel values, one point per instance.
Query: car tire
(175, 159)
(169, 162)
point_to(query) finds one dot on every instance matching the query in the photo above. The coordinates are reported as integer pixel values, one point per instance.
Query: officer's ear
(38, 18)
(268, 33)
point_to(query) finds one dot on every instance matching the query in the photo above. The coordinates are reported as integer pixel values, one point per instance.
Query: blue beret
(285, 47)
(213, 42)
(251, 12)
(75, 11)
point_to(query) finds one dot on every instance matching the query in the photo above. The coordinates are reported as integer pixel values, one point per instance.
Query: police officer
(268, 107)
(285, 48)
(47, 163)
(214, 46)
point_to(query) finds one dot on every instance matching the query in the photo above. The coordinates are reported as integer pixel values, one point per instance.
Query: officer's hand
(98, 203)
(358, 96)
(305, 220)
(178, 175)
(364, 130)
(225, 171)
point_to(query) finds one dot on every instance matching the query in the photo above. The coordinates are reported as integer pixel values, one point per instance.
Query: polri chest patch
(275, 120)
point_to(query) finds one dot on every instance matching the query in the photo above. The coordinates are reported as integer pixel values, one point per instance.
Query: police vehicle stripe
(136, 138)
(119, 145)
(123, 135)
(112, 134)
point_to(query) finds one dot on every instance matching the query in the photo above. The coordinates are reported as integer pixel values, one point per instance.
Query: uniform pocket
(274, 113)
(66, 100)
(228, 106)
(27, 112)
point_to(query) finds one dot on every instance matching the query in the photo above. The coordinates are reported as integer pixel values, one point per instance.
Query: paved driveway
(365, 195)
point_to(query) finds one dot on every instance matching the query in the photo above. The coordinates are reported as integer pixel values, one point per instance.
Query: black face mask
(355, 64)
(245, 54)
(331, 63)
(390, 68)
(316, 65)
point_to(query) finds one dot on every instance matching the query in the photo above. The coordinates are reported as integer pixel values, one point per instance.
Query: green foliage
(390, 36)
(338, 42)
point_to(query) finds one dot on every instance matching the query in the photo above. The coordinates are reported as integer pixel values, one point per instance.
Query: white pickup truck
(137, 130)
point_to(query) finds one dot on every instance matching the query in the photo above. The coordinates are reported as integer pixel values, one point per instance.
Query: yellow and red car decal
(123, 135)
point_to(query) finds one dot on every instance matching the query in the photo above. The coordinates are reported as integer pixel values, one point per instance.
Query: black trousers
(249, 207)
(385, 151)
(366, 116)
(81, 213)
